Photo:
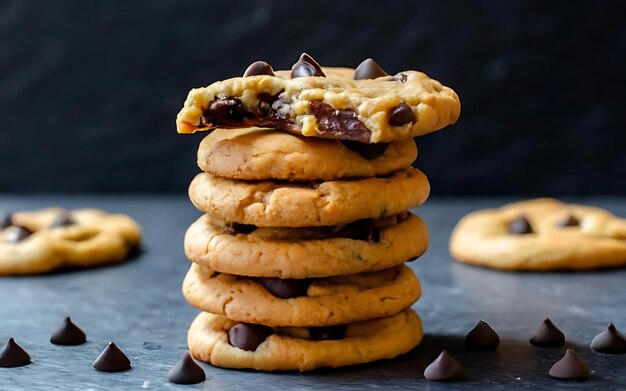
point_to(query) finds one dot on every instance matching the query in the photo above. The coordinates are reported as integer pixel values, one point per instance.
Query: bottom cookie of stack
(297, 348)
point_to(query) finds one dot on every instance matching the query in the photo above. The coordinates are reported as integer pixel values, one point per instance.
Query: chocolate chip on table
(5, 220)
(569, 221)
(328, 332)
(610, 341)
(444, 368)
(186, 371)
(248, 336)
(63, 219)
(306, 66)
(16, 233)
(570, 367)
(68, 334)
(482, 338)
(13, 355)
(112, 359)
(548, 335)
(236, 228)
(285, 288)
(368, 151)
(369, 69)
(400, 115)
(520, 226)
(259, 68)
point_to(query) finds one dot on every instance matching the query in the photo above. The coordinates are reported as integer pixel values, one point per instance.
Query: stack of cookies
(298, 261)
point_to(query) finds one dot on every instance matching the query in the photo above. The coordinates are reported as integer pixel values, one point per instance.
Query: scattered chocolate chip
(368, 69)
(16, 233)
(306, 66)
(610, 341)
(401, 77)
(5, 220)
(285, 288)
(186, 371)
(112, 359)
(236, 228)
(63, 219)
(368, 151)
(520, 226)
(328, 332)
(482, 337)
(444, 368)
(68, 334)
(547, 335)
(259, 68)
(344, 124)
(570, 367)
(13, 355)
(248, 336)
(400, 115)
(569, 221)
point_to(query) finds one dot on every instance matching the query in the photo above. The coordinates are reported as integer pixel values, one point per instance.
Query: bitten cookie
(359, 247)
(50, 239)
(340, 103)
(277, 204)
(209, 340)
(262, 154)
(304, 302)
(541, 235)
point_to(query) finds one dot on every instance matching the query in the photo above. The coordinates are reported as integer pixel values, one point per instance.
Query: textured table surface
(138, 305)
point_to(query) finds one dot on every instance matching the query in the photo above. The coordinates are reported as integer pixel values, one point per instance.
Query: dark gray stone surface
(139, 306)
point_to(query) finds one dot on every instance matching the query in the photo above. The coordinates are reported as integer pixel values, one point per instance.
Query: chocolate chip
(259, 68)
(68, 334)
(444, 368)
(328, 332)
(17, 233)
(610, 341)
(186, 371)
(357, 230)
(63, 219)
(520, 226)
(13, 355)
(236, 228)
(570, 367)
(5, 220)
(368, 69)
(368, 151)
(343, 124)
(285, 288)
(548, 335)
(482, 337)
(306, 66)
(569, 221)
(227, 112)
(248, 336)
(400, 115)
(112, 359)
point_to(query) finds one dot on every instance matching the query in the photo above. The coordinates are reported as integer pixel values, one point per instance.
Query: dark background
(89, 90)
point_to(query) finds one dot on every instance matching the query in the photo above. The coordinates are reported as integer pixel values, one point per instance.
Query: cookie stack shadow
(298, 261)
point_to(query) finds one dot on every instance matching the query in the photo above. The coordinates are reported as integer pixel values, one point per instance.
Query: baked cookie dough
(329, 103)
(293, 349)
(541, 235)
(262, 154)
(279, 204)
(304, 252)
(305, 302)
(49, 239)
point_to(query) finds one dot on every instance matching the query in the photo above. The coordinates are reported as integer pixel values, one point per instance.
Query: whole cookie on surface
(362, 246)
(211, 340)
(278, 204)
(365, 104)
(304, 302)
(50, 239)
(541, 235)
(260, 154)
